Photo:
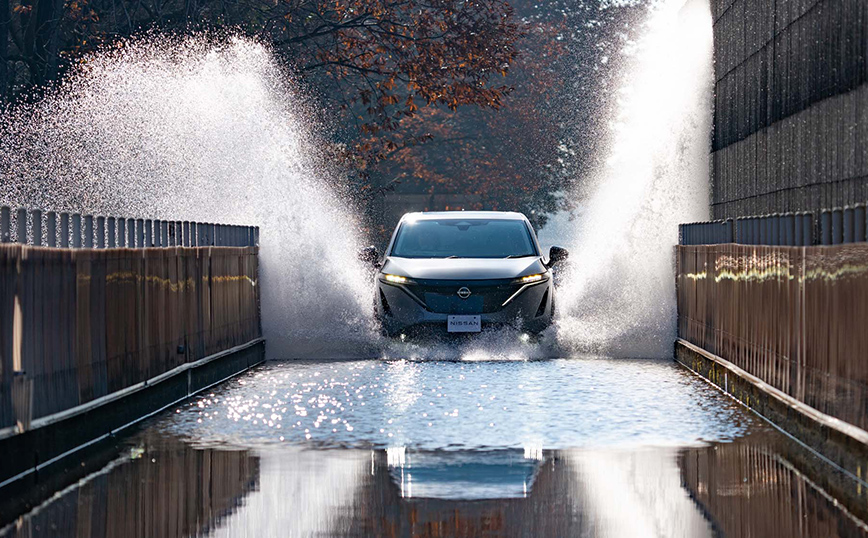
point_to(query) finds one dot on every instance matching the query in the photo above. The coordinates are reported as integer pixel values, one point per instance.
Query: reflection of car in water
(459, 272)
(503, 474)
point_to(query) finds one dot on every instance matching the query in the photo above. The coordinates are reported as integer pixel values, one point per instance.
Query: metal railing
(74, 230)
(832, 227)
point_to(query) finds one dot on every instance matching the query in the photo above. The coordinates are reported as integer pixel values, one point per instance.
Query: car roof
(460, 215)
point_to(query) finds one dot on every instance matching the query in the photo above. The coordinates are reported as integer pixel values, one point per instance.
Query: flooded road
(566, 447)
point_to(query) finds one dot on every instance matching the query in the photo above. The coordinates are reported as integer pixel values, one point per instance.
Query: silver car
(461, 272)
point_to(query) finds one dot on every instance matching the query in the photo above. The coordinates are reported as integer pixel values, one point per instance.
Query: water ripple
(551, 404)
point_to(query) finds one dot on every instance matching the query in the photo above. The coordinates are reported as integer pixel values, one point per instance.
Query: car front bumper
(399, 311)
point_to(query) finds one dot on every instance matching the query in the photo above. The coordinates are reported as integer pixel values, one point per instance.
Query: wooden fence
(750, 488)
(80, 324)
(792, 316)
(163, 489)
(74, 230)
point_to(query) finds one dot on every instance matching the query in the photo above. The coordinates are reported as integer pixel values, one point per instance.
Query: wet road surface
(565, 447)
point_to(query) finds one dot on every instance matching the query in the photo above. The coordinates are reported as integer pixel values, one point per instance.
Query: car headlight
(395, 279)
(531, 279)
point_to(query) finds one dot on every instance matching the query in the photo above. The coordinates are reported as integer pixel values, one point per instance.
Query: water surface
(564, 447)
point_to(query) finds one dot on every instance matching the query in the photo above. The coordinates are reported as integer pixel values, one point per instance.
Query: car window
(470, 238)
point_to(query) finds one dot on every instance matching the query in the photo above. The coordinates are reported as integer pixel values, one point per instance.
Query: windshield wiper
(519, 256)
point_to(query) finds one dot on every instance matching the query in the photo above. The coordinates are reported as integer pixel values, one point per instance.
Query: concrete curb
(840, 443)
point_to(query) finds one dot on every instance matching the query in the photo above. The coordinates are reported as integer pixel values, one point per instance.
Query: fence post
(164, 238)
(859, 224)
(808, 229)
(837, 227)
(847, 231)
(88, 231)
(64, 230)
(112, 232)
(100, 232)
(185, 234)
(21, 225)
(122, 232)
(51, 228)
(5, 224)
(798, 232)
(76, 230)
(256, 237)
(140, 233)
(157, 224)
(776, 229)
(787, 230)
(826, 228)
(36, 215)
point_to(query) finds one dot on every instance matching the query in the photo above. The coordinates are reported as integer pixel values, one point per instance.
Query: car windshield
(470, 238)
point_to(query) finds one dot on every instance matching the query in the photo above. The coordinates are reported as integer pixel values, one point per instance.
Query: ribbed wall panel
(791, 106)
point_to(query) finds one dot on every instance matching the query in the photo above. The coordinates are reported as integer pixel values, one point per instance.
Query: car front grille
(441, 296)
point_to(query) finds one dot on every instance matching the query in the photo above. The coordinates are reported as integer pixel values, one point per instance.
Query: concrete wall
(791, 106)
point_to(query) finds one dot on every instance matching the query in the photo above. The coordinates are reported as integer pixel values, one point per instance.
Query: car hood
(463, 268)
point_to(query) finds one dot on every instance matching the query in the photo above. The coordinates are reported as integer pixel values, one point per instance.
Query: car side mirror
(557, 254)
(370, 255)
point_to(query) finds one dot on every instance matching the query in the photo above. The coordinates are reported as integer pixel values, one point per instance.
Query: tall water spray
(208, 130)
(619, 296)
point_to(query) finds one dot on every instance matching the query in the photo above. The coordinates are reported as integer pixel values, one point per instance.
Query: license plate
(464, 324)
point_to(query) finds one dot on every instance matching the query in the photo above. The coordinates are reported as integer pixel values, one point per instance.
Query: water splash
(206, 129)
(501, 344)
(619, 295)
